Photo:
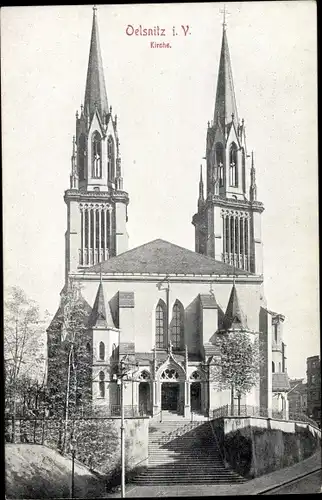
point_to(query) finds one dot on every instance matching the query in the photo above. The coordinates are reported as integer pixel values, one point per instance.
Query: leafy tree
(23, 349)
(69, 358)
(238, 368)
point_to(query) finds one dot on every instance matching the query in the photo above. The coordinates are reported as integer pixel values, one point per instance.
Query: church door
(144, 397)
(195, 396)
(169, 396)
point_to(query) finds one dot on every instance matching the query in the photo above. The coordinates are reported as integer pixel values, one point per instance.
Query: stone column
(99, 233)
(155, 396)
(89, 236)
(94, 235)
(83, 235)
(187, 409)
(110, 244)
(224, 236)
(105, 232)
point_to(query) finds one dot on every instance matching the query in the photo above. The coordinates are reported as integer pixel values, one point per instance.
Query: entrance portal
(144, 397)
(195, 396)
(170, 396)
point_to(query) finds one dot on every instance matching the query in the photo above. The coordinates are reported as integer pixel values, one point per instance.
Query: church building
(160, 307)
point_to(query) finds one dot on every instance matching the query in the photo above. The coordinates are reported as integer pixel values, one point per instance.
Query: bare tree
(23, 348)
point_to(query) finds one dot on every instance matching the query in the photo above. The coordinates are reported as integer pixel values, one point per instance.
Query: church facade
(160, 307)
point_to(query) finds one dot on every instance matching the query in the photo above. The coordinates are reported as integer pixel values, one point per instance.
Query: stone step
(187, 480)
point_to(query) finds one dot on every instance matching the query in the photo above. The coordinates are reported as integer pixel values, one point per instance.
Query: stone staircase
(183, 452)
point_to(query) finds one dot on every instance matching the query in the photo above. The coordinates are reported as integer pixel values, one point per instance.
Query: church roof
(101, 316)
(225, 105)
(234, 317)
(161, 257)
(280, 382)
(95, 93)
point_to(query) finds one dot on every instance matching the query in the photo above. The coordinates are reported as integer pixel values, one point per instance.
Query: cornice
(254, 206)
(111, 196)
(174, 278)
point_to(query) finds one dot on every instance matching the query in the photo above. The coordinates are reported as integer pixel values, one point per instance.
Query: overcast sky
(164, 98)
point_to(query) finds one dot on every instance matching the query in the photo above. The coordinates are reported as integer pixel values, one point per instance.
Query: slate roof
(95, 93)
(162, 257)
(207, 301)
(280, 382)
(225, 96)
(101, 316)
(145, 357)
(234, 317)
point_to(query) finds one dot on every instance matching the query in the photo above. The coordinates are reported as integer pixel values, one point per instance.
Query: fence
(258, 411)
(50, 430)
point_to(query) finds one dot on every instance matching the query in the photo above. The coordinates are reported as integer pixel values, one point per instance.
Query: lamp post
(119, 377)
(73, 451)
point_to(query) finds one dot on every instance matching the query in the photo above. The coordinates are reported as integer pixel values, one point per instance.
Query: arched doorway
(195, 396)
(144, 392)
(195, 391)
(144, 397)
(172, 392)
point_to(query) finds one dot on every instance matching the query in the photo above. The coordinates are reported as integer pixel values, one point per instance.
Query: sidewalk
(252, 487)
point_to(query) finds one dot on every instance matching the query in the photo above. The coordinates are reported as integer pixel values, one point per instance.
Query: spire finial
(224, 12)
(94, 10)
(252, 159)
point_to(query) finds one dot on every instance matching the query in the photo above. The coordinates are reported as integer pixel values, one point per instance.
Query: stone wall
(257, 446)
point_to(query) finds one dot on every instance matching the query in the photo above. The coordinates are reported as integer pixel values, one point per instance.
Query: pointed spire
(101, 315)
(225, 106)
(201, 198)
(95, 93)
(234, 317)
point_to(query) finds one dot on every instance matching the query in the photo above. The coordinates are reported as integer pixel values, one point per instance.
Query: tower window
(177, 325)
(81, 156)
(273, 367)
(110, 159)
(275, 332)
(102, 385)
(160, 322)
(220, 162)
(233, 172)
(96, 156)
(102, 351)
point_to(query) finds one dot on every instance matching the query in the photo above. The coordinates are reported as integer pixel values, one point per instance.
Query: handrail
(223, 458)
(260, 411)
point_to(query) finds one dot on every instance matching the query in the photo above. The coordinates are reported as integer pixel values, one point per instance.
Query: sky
(163, 99)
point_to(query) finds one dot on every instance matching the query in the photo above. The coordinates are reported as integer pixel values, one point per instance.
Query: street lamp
(119, 380)
(73, 451)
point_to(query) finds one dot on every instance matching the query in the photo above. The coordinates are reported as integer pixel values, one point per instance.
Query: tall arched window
(110, 159)
(233, 172)
(177, 325)
(160, 324)
(96, 156)
(102, 384)
(220, 162)
(81, 156)
(101, 351)
(273, 367)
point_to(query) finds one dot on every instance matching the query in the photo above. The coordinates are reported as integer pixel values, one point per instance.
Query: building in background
(313, 374)
(297, 396)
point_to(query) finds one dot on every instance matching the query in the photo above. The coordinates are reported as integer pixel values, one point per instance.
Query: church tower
(96, 202)
(228, 221)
